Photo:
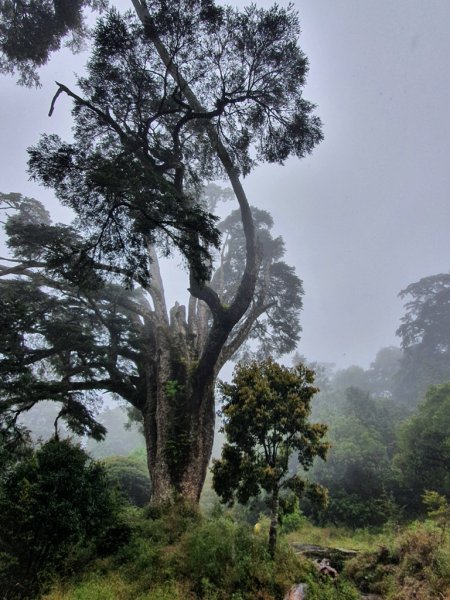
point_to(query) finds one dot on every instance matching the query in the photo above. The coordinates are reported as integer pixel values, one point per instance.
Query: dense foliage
(358, 473)
(423, 458)
(178, 554)
(55, 505)
(31, 30)
(130, 475)
(384, 454)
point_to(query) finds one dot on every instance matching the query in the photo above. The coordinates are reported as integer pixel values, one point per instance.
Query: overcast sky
(369, 212)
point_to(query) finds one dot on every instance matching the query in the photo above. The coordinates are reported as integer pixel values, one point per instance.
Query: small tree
(265, 417)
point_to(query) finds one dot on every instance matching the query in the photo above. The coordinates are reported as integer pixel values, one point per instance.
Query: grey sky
(369, 212)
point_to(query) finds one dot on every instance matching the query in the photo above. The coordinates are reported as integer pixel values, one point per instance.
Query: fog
(368, 212)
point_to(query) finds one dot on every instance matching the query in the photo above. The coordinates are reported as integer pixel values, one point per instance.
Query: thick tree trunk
(200, 448)
(155, 416)
(179, 445)
(178, 413)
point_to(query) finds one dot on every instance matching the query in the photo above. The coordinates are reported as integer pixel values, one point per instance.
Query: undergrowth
(179, 554)
(414, 566)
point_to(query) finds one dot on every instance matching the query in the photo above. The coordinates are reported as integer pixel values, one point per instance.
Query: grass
(363, 540)
(112, 587)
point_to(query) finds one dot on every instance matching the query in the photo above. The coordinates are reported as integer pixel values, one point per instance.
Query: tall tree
(64, 340)
(425, 335)
(174, 96)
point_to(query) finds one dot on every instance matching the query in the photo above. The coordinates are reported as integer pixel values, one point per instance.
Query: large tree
(425, 335)
(64, 339)
(174, 96)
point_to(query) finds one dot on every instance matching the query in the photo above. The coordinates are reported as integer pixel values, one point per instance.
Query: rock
(325, 568)
(297, 592)
(314, 551)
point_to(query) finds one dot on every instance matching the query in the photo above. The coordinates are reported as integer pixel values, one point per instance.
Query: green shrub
(416, 567)
(223, 558)
(372, 572)
(293, 521)
(324, 589)
(130, 475)
(55, 504)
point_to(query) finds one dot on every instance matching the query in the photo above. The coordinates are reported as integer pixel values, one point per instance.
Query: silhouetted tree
(425, 335)
(174, 96)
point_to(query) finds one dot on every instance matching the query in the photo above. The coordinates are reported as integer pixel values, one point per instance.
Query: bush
(293, 521)
(214, 559)
(54, 504)
(223, 558)
(130, 475)
(416, 567)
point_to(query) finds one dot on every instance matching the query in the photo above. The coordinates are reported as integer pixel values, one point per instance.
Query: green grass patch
(364, 540)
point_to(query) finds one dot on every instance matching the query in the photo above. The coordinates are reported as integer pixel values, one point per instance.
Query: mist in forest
(367, 213)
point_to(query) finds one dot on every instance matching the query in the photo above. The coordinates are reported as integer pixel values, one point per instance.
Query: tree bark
(273, 531)
(179, 432)
(178, 409)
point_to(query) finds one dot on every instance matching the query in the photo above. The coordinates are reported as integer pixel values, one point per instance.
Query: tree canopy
(142, 149)
(30, 31)
(425, 335)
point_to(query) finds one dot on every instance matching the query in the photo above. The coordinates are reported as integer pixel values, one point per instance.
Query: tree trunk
(273, 522)
(178, 413)
(200, 447)
(179, 436)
